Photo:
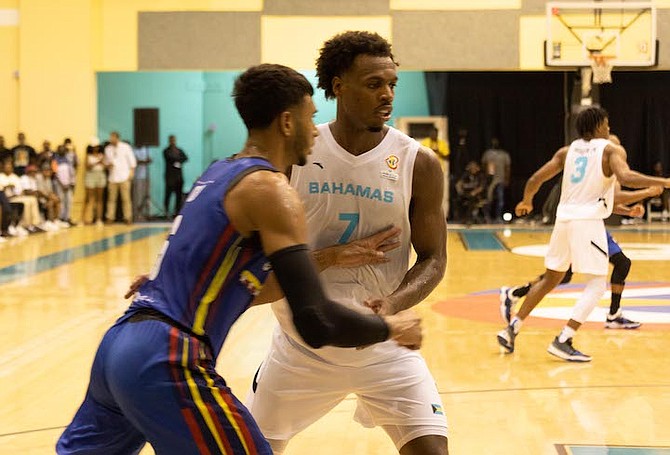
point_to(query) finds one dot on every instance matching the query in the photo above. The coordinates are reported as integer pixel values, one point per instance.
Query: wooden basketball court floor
(59, 292)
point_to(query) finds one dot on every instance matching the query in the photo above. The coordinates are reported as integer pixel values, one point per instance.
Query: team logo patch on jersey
(392, 162)
(437, 409)
(390, 175)
(250, 281)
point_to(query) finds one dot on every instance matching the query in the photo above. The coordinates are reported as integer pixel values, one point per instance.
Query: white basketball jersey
(349, 197)
(586, 193)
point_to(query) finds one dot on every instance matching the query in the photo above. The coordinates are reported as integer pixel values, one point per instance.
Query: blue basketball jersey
(207, 274)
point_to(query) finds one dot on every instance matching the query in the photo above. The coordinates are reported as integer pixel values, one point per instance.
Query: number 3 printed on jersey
(580, 169)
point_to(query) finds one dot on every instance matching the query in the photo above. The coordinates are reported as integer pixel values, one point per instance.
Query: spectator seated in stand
(471, 189)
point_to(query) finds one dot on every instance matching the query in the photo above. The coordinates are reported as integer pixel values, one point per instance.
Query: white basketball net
(602, 70)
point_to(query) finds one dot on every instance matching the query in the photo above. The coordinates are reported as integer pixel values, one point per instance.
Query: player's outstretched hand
(137, 282)
(655, 191)
(368, 250)
(523, 208)
(637, 211)
(405, 328)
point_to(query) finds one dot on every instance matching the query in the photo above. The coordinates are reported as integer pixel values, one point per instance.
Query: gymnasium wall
(9, 63)
(51, 51)
(196, 107)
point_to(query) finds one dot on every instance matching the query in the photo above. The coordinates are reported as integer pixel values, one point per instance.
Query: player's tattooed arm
(429, 237)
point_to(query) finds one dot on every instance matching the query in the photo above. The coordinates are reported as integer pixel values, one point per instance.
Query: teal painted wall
(197, 107)
(179, 98)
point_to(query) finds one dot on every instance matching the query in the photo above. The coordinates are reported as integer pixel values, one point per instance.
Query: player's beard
(301, 146)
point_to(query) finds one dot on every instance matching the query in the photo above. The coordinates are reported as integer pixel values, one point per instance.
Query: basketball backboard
(624, 32)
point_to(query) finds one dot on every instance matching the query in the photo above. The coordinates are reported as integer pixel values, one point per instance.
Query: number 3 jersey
(586, 193)
(349, 197)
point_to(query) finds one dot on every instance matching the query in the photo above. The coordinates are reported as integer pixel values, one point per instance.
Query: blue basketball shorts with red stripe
(151, 382)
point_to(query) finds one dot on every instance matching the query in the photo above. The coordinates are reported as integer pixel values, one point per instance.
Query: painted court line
(482, 241)
(53, 260)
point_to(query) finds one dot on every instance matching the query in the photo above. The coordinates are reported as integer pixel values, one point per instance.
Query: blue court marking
(603, 450)
(53, 260)
(482, 241)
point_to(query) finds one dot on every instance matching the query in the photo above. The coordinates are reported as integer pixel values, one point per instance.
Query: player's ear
(337, 86)
(286, 123)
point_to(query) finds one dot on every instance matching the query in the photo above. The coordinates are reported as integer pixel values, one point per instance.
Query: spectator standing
(174, 178)
(95, 182)
(5, 153)
(497, 163)
(64, 183)
(141, 184)
(23, 155)
(121, 162)
(46, 156)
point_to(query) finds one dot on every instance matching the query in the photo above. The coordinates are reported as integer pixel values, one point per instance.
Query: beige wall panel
(12, 4)
(9, 85)
(295, 41)
(534, 6)
(463, 5)
(198, 40)
(327, 7)
(456, 41)
(532, 33)
(120, 25)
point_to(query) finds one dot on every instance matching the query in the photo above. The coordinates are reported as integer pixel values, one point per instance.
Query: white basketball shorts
(294, 388)
(582, 243)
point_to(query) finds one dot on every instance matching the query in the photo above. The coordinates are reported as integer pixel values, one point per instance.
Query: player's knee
(278, 446)
(593, 291)
(621, 268)
(432, 444)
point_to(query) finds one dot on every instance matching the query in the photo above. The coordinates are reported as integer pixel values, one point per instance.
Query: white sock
(516, 324)
(566, 334)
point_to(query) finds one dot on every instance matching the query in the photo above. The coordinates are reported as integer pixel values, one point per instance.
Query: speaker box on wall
(145, 121)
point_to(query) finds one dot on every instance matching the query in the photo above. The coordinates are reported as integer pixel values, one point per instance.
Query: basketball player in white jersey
(591, 167)
(362, 177)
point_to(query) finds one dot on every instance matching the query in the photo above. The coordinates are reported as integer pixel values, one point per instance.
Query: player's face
(305, 130)
(603, 130)
(365, 93)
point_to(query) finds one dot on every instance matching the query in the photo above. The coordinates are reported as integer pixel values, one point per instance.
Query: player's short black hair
(338, 54)
(264, 91)
(588, 120)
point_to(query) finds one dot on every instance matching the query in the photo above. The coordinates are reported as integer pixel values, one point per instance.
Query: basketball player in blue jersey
(153, 377)
(362, 177)
(591, 167)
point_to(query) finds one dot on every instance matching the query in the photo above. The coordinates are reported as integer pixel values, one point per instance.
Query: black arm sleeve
(319, 320)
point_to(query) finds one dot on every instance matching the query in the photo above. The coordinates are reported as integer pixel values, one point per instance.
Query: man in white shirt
(13, 188)
(120, 159)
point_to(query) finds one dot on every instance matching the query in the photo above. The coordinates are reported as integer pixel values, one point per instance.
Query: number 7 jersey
(349, 197)
(586, 193)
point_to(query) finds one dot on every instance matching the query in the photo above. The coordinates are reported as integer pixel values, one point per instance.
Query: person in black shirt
(471, 190)
(5, 153)
(174, 179)
(23, 155)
